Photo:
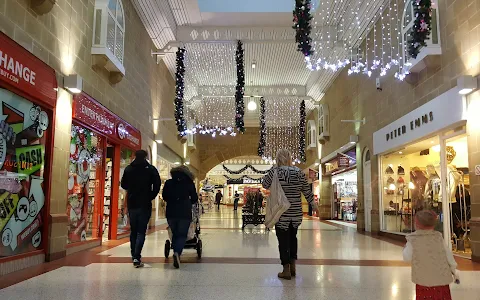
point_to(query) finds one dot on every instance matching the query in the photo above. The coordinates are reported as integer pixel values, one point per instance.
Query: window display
(412, 182)
(24, 136)
(83, 202)
(345, 196)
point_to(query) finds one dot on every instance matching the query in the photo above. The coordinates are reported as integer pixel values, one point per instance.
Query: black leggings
(287, 243)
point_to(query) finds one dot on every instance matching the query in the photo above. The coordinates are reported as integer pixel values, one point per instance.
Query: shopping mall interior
(376, 102)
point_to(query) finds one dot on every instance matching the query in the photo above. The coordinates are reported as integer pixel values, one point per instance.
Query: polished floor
(335, 262)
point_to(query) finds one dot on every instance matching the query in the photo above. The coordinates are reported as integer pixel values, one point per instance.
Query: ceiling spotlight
(252, 105)
(254, 65)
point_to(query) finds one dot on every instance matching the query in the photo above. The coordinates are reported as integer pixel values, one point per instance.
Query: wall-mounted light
(317, 162)
(254, 64)
(187, 161)
(353, 139)
(252, 105)
(466, 84)
(73, 83)
(159, 138)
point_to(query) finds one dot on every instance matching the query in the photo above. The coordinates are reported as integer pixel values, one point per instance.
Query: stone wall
(62, 38)
(356, 97)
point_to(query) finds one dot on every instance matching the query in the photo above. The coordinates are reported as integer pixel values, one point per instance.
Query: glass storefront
(126, 158)
(25, 133)
(412, 180)
(344, 190)
(84, 194)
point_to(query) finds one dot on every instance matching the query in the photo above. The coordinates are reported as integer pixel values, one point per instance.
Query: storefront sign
(440, 113)
(244, 181)
(22, 70)
(92, 113)
(341, 161)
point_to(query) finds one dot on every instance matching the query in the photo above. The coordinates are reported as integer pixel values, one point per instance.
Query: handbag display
(277, 202)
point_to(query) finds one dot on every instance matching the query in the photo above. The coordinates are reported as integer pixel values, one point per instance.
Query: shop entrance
(345, 196)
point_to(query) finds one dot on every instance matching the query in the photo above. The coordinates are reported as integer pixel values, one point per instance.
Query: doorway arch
(367, 189)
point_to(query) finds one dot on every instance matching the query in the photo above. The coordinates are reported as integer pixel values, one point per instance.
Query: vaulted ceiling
(208, 29)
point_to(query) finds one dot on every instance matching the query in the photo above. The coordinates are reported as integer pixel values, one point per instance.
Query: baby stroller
(193, 237)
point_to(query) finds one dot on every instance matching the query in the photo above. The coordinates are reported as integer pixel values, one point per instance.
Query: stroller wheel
(199, 248)
(167, 249)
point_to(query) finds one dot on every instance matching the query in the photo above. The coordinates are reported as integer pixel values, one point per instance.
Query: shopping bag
(191, 231)
(277, 202)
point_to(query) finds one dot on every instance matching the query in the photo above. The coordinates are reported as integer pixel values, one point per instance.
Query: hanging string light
(179, 93)
(240, 89)
(302, 132)
(263, 129)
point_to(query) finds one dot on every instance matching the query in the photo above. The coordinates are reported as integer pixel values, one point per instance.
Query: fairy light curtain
(214, 116)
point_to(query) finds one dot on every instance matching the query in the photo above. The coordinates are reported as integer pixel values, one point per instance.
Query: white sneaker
(176, 260)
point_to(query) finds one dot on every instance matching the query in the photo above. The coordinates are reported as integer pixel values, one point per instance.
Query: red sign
(89, 111)
(23, 71)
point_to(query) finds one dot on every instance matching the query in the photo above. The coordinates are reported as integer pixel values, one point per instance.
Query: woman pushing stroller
(179, 193)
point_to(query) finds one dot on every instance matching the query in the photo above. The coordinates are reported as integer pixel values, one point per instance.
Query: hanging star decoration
(302, 19)
(422, 27)
(179, 93)
(240, 89)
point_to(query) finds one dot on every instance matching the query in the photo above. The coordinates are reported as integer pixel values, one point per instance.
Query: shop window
(323, 122)
(433, 43)
(109, 35)
(367, 156)
(84, 194)
(24, 141)
(126, 158)
(311, 134)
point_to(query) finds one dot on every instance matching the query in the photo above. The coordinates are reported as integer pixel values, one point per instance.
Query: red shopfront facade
(28, 95)
(102, 145)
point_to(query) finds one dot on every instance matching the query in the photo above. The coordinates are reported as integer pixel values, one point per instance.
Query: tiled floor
(335, 262)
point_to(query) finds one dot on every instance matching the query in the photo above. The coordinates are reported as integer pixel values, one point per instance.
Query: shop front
(343, 171)
(28, 96)
(102, 145)
(424, 165)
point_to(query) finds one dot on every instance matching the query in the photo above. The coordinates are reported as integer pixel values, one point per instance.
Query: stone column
(58, 220)
(473, 132)
(325, 201)
(376, 197)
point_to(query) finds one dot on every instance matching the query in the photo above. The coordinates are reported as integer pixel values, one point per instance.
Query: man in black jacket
(142, 183)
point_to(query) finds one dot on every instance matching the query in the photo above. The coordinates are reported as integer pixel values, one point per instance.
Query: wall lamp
(159, 138)
(73, 83)
(466, 84)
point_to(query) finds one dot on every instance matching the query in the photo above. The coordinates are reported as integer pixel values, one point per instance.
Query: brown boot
(286, 272)
(293, 268)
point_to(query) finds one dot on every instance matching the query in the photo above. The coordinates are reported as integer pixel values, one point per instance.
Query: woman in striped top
(294, 183)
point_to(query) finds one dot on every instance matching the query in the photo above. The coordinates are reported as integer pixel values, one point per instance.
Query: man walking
(236, 198)
(218, 198)
(142, 183)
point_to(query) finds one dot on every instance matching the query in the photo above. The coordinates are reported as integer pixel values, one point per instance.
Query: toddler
(433, 265)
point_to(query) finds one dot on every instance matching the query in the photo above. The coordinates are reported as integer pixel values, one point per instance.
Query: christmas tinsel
(422, 26)
(302, 24)
(242, 177)
(248, 166)
(240, 89)
(179, 90)
(263, 129)
(302, 131)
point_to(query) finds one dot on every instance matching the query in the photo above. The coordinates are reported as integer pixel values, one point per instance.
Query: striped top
(294, 183)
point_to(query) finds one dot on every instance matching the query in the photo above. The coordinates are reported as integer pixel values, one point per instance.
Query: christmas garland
(240, 89)
(422, 26)
(179, 90)
(302, 131)
(242, 177)
(248, 166)
(302, 24)
(263, 129)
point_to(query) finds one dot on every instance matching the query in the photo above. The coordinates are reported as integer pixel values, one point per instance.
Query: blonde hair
(284, 158)
(426, 218)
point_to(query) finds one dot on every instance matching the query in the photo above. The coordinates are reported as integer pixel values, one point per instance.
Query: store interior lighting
(73, 83)
(466, 84)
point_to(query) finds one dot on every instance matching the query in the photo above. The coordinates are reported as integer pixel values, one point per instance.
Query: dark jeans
(139, 219)
(179, 228)
(218, 205)
(287, 243)
(235, 204)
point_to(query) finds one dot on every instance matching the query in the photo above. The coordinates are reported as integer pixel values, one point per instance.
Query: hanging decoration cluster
(179, 92)
(240, 89)
(302, 132)
(263, 129)
(213, 116)
(302, 24)
(240, 171)
(422, 26)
